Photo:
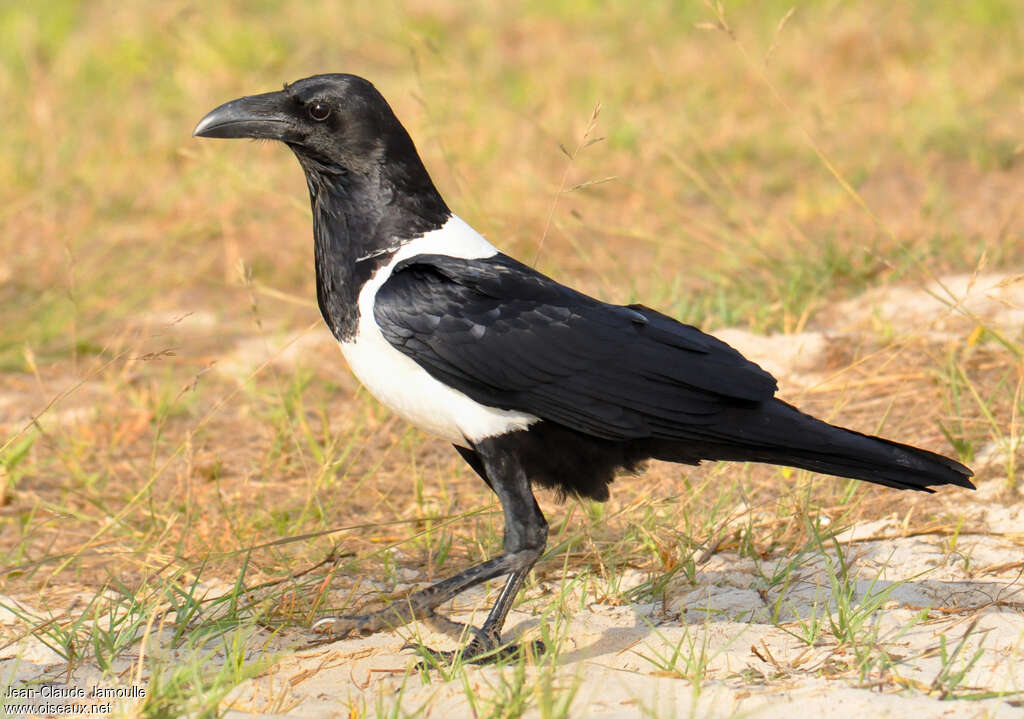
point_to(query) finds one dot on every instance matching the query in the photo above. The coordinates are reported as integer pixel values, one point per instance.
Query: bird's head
(332, 122)
(367, 184)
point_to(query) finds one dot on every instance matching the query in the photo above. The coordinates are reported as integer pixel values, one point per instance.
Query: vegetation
(188, 470)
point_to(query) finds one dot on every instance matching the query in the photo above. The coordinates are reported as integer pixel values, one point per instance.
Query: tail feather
(778, 433)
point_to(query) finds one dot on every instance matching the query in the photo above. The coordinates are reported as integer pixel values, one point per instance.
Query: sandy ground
(735, 643)
(753, 668)
(619, 658)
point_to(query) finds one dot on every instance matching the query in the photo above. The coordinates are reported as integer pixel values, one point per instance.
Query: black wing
(509, 337)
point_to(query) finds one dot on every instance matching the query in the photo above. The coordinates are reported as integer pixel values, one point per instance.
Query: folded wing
(509, 337)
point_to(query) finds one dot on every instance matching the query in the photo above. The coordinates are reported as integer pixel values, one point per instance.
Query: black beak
(257, 116)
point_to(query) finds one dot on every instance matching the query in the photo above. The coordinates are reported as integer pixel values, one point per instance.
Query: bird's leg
(421, 604)
(526, 533)
(460, 629)
(490, 632)
(525, 539)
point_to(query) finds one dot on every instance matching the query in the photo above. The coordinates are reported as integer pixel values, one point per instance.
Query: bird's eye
(319, 111)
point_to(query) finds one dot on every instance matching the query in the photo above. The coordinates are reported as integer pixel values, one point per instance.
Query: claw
(325, 625)
(341, 627)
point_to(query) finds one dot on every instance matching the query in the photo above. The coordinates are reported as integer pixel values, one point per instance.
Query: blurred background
(169, 396)
(720, 209)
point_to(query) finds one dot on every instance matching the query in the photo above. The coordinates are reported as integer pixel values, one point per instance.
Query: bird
(534, 383)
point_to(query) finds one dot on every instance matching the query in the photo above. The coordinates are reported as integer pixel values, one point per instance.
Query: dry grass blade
(188, 473)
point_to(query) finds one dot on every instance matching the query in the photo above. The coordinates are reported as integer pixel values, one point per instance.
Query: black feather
(614, 385)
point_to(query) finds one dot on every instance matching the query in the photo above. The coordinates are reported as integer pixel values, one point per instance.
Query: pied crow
(533, 382)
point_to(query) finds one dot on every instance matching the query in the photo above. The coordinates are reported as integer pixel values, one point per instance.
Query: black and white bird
(533, 382)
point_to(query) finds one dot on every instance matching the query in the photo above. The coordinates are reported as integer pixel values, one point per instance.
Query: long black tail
(778, 433)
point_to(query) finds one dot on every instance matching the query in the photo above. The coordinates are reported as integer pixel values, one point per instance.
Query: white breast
(402, 385)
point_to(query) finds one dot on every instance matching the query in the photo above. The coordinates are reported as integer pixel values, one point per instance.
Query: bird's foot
(358, 625)
(483, 648)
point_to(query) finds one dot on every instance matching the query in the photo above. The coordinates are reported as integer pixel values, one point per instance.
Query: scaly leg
(525, 539)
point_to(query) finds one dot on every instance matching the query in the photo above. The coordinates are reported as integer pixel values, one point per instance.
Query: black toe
(478, 651)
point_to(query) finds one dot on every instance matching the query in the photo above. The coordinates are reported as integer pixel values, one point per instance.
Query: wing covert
(510, 337)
